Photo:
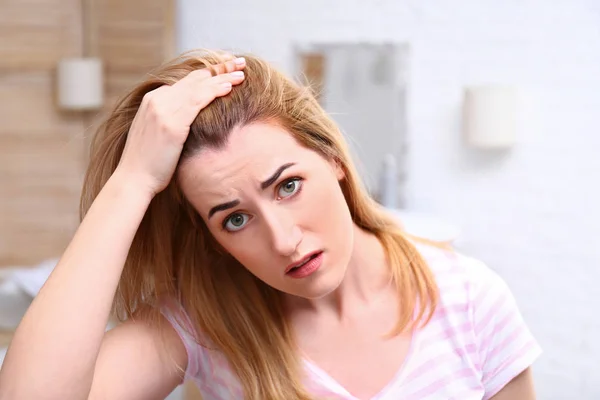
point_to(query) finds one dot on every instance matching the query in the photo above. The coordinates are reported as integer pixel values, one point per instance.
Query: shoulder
(479, 312)
(207, 367)
(139, 358)
(460, 276)
(181, 325)
(151, 325)
(470, 291)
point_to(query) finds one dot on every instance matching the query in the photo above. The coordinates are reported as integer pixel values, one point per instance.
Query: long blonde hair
(174, 256)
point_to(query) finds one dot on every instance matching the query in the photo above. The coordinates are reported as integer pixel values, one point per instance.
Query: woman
(222, 213)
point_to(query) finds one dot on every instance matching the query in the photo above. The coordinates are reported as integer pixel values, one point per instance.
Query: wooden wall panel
(42, 149)
(28, 105)
(131, 38)
(36, 33)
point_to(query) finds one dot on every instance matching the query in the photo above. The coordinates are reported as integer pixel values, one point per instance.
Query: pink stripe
(449, 332)
(490, 391)
(471, 391)
(500, 326)
(512, 354)
(483, 293)
(220, 373)
(485, 320)
(446, 273)
(464, 351)
(209, 389)
(507, 341)
(440, 383)
(427, 365)
(446, 310)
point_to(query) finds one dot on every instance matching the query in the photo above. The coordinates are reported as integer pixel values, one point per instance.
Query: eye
(289, 187)
(235, 222)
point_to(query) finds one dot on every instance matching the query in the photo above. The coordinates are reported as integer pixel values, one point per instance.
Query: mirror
(363, 87)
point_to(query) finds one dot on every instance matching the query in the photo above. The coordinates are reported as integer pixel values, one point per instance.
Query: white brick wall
(533, 213)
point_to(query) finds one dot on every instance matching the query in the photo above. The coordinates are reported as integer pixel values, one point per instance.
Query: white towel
(2, 355)
(31, 280)
(18, 287)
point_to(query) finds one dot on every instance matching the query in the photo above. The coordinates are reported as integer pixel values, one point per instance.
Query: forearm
(57, 342)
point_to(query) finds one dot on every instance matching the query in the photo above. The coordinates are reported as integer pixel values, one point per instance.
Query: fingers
(214, 87)
(198, 94)
(184, 99)
(232, 65)
(236, 64)
(197, 79)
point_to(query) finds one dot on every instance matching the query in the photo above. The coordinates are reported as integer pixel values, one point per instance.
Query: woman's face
(271, 203)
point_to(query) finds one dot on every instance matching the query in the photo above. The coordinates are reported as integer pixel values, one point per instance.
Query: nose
(285, 234)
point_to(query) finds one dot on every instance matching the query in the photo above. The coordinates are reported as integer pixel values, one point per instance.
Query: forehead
(253, 140)
(252, 153)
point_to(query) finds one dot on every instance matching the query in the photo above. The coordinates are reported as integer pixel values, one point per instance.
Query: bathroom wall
(530, 213)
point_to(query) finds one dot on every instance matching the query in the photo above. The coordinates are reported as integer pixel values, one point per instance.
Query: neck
(366, 281)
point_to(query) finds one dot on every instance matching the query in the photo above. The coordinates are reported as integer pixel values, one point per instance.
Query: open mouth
(305, 262)
(307, 266)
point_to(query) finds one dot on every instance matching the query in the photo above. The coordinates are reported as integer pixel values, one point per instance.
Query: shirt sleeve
(504, 343)
(182, 325)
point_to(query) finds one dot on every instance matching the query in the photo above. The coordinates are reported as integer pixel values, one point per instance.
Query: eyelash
(277, 188)
(288, 180)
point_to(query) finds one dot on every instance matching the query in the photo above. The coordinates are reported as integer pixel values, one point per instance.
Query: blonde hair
(174, 256)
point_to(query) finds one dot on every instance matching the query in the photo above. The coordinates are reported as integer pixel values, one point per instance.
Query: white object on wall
(80, 83)
(490, 116)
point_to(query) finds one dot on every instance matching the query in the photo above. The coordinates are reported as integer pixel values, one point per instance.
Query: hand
(162, 123)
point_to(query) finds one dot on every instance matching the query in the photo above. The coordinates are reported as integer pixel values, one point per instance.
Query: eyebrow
(223, 207)
(263, 185)
(275, 176)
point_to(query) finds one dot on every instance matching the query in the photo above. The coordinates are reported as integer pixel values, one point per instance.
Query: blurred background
(476, 121)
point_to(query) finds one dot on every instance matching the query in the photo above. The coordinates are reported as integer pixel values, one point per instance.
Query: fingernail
(237, 74)
(226, 85)
(240, 61)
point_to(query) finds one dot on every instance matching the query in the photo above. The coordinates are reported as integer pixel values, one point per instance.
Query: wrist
(131, 186)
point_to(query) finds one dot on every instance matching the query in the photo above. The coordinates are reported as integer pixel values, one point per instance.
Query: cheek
(327, 211)
(249, 250)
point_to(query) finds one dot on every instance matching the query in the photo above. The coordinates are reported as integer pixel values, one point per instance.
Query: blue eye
(235, 222)
(289, 187)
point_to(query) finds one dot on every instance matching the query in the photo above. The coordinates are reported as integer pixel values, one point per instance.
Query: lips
(303, 261)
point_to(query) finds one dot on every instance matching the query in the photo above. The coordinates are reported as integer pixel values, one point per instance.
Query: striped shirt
(474, 345)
